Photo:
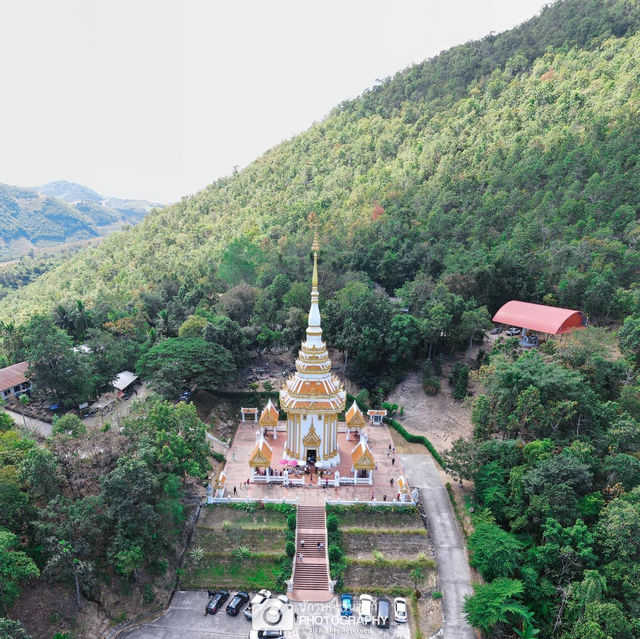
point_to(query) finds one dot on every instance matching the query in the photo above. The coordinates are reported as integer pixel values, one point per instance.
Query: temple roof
(261, 455)
(362, 457)
(354, 416)
(270, 414)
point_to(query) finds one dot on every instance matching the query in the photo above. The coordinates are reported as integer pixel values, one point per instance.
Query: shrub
(332, 523)
(335, 553)
(290, 549)
(219, 457)
(378, 556)
(436, 594)
(291, 521)
(68, 424)
(242, 552)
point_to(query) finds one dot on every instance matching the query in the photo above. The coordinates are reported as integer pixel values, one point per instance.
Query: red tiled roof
(13, 375)
(538, 317)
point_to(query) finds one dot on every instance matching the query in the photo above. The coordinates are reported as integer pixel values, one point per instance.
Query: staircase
(311, 575)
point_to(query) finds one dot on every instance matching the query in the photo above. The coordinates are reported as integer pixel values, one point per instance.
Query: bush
(332, 523)
(242, 552)
(291, 521)
(290, 549)
(68, 424)
(415, 439)
(335, 553)
(430, 379)
(219, 456)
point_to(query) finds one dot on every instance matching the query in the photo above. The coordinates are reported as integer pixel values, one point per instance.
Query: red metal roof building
(541, 318)
(13, 380)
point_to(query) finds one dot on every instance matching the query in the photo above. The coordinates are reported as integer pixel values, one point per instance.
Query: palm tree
(80, 320)
(417, 575)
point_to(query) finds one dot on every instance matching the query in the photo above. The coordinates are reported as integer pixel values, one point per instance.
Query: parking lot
(186, 618)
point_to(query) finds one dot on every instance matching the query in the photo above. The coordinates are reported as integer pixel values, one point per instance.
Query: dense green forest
(505, 168)
(556, 468)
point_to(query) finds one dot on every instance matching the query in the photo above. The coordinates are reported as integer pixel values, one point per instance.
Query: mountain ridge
(58, 213)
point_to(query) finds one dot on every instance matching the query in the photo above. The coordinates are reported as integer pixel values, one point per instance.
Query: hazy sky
(157, 98)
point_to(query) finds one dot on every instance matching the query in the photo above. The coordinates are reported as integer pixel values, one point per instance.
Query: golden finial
(313, 221)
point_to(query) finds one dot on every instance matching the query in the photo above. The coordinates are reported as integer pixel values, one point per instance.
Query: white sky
(157, 98)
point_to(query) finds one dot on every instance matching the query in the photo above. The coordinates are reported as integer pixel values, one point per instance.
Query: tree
(494, 552)
(473, 321)
(629, 338)
(179, 362)
(10, 629)
(495, 603)
(72, 532)
(15, 568)
(40, 471)
(227, 333)
(417, 575)
(57, 372)
(193, 326)
(238, 303)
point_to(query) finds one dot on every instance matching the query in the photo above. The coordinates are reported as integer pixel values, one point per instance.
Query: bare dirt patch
(440, 418)
(430, 613)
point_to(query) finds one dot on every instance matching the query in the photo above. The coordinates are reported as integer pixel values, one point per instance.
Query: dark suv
(238, 602)
(218, 597)
(383, 613)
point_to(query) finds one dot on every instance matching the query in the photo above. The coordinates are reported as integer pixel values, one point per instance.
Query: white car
(400, 609)
(261, 596)
(366, 609)
(283, 598)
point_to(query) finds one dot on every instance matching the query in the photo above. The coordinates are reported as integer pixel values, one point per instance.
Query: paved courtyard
(313, 492)
(185, 618)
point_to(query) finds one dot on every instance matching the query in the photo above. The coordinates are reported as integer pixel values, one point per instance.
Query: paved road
(185, 620)
(453, 565)
(43, 428)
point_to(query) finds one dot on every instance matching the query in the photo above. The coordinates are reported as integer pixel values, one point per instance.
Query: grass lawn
(215, 571)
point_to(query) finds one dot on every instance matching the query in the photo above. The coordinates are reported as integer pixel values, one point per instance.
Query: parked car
(239, 601)
(513, 331)
(383, 618)
(400, 610)
(185, 396)
(214, 604)
(266, 634)
(346, 605)
(366, 609)
(283, 598)
(496, 330)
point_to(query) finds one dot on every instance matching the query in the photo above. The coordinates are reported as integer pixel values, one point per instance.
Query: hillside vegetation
(520, 180)
(507, 168)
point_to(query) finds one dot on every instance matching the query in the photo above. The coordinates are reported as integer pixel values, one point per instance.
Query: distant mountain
(59, 213)
(69, 192)
(77, 194)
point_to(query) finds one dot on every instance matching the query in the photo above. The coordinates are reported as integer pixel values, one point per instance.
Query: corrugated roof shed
(538, 317)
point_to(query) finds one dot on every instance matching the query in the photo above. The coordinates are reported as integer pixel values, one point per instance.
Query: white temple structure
(312, 397)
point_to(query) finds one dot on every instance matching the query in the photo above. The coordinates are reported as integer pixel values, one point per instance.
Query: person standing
(300, 557)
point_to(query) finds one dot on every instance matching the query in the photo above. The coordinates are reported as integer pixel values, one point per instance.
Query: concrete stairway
(311, 575)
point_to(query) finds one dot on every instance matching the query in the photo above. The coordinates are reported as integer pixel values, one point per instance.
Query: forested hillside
(505, 168)
(58, 213)
(521, 180)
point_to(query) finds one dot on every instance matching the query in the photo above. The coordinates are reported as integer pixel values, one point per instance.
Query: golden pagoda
(312, 397)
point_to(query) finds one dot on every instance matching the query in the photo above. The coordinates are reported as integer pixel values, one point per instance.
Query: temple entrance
(311, 456)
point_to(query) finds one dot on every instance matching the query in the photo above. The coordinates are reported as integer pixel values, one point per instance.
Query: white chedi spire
(314, 330)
